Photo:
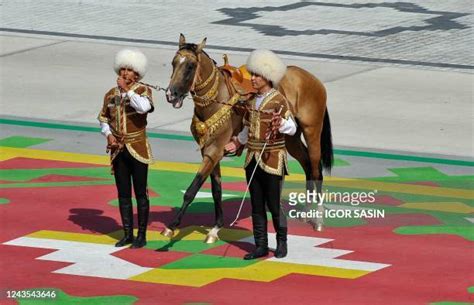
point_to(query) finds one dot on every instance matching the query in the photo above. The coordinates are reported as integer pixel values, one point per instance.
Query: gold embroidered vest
(126, 124)
(274, 158)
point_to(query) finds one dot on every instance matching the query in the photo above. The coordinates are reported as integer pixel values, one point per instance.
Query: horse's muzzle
(172, 98)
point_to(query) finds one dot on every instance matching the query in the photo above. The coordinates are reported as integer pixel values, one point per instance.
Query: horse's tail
(327, 153)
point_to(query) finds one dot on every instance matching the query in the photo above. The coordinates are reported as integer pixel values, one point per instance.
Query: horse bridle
(210, 96)
(202, 85)
(159, 88)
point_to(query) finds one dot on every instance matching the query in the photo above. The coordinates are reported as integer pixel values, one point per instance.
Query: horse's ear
(182, 40)
(201, 46)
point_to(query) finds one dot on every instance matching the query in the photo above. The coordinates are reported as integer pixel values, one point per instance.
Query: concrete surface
(54, 67)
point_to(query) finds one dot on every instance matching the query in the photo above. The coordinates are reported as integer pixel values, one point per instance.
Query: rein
(157, 87)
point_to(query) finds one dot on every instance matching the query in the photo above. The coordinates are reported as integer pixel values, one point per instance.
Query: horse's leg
(299, 151)
(312, 135)
(212, 236)
(320, 208)
(207, 165)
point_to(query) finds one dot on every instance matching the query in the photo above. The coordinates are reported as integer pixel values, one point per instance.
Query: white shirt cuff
(105, 129)
(287, 127)
(243, 136)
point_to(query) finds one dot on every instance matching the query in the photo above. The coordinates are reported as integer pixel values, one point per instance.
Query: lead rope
(157, 87)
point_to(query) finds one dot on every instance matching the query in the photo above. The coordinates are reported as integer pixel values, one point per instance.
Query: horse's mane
(193, 48)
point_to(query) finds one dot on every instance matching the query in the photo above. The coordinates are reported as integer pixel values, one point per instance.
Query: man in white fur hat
(123, 119)
(267, 125)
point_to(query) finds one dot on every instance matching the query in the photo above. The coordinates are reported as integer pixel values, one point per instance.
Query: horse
(195, 72)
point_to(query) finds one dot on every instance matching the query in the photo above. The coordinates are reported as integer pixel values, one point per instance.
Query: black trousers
(265, 191)
(128, 169)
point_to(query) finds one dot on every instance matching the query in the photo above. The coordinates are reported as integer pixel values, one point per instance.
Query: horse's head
(185, 65)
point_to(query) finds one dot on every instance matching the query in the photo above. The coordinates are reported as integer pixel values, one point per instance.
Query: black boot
(281, 238)
(258, 252)
(126, 213)
(281, 229)
(281, 249)
(143, 212)
(260, 235)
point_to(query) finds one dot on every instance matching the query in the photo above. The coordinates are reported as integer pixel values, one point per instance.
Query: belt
(131, 137)
(122, 139)
(257, 145)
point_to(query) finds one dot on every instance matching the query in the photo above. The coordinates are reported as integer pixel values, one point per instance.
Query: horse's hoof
(212, 236)
(318, 227)
(167, 232)
(210, 239)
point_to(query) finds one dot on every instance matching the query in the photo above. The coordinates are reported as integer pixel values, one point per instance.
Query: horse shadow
(94, 221)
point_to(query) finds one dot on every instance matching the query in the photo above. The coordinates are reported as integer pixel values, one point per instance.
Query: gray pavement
(415, 32)
(399, 76)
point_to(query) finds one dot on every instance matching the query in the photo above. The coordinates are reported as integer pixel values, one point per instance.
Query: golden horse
(217, 119)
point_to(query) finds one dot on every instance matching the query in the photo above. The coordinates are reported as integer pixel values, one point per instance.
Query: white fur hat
(267, 64)
(133, 59)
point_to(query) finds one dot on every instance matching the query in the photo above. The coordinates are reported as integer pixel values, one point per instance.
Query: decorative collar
(266, 93)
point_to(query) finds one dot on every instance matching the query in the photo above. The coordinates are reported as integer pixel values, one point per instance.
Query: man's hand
(232, 146)
(111, 142)
(122, 84)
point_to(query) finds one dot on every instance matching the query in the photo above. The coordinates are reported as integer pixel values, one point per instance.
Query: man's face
(259, 82)
(128, 75)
